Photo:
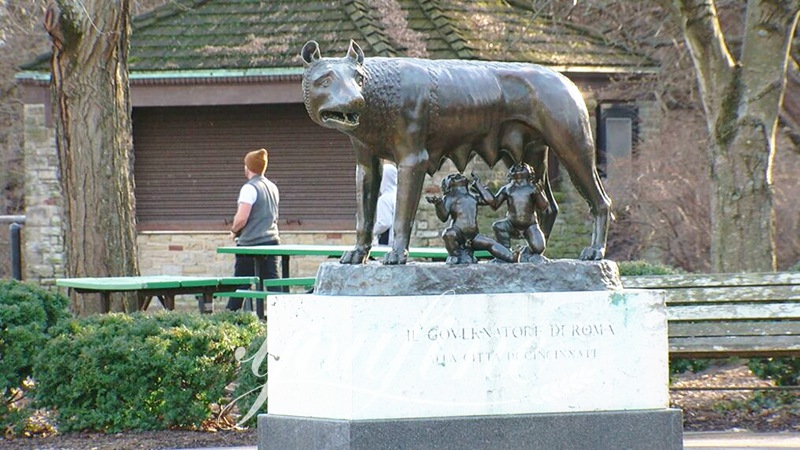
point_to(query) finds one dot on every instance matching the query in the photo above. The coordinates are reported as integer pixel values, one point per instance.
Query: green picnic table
(163, 287)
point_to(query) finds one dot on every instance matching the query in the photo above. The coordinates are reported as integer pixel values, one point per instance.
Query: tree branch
(765, 55)
(710, 53)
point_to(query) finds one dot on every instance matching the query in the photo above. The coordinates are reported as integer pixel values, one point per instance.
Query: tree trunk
(742, 100)
(93, 128)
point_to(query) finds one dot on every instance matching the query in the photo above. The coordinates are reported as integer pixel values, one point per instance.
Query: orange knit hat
(256, 161)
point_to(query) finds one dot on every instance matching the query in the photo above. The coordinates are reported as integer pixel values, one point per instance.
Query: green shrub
(252, 382)
(27, 313)
(761, 401)
(783, 371)
(639, 268)
(116, 372)
(680, 365)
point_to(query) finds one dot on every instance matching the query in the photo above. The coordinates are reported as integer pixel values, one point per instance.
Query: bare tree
(93, 128)
(742, 100)
(740, 52)
(22, 38)
(662, 201)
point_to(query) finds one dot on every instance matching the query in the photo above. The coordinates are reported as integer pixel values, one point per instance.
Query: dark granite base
(639, 430)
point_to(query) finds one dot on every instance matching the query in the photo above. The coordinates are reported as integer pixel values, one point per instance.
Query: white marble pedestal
(493, 370)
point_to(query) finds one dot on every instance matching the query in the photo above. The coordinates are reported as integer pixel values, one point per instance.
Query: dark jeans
(245, 266)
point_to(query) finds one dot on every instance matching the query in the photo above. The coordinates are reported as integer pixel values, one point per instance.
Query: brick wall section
(650, 118)
(42, 236)
(195, 253)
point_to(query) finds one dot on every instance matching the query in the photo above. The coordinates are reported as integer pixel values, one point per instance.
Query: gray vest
(262, 225)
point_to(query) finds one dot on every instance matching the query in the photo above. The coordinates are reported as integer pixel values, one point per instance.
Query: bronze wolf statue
(417, 112)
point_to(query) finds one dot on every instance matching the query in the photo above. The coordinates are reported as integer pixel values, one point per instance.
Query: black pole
(16, 251)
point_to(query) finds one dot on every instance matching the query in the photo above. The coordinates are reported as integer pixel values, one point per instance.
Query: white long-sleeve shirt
(384, 214)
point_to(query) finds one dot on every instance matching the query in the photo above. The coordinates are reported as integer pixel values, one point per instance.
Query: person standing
(383, 233)
(256, 220)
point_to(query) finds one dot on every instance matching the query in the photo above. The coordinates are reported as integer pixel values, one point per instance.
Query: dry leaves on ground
(720, 410)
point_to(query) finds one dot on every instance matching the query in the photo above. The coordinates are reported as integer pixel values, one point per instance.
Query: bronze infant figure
(461, 237)
(525, 201)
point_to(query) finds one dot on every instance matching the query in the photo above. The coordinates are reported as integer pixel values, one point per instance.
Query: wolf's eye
(324, 81)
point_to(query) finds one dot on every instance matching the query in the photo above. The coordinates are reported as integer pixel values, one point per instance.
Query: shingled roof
(242, 35)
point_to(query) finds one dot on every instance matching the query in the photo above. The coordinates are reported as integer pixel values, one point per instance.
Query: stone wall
(650, 117)
(195, 253)
(43, 254)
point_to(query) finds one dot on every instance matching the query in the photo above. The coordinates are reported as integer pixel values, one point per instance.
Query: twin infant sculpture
(460, 203)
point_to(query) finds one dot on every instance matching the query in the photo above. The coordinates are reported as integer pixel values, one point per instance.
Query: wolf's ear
(310, 52)
(355, 52)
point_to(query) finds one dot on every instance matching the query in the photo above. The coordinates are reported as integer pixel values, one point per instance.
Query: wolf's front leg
(367, 185)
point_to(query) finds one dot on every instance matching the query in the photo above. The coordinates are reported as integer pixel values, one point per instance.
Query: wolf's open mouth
(350, 119)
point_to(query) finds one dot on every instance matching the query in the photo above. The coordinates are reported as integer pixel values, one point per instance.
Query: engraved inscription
(509, 343)
(472, 333)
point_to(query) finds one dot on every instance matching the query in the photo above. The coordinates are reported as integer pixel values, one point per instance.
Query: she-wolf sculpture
(417, 112)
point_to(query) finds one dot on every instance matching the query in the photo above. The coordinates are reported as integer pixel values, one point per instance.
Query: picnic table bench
(729, 315)
(163, 287)
(269, 289)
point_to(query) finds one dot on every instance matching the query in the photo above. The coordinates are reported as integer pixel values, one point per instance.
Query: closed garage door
(189, 166)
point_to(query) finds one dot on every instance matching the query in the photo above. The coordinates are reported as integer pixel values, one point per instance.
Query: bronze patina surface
(417, 112)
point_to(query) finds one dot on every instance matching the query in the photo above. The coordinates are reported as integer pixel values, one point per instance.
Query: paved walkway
(729, 440)
(744, 439)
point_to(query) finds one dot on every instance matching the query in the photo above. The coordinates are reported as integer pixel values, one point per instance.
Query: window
(617, 134)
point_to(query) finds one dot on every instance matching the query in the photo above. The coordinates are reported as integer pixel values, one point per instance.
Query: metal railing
(15, 242)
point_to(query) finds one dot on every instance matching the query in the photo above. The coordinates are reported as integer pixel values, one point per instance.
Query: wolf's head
(332, 87)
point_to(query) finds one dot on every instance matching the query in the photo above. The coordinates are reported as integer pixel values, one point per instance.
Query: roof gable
(240, 35)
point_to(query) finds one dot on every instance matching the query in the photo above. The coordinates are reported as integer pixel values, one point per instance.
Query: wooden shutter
(189, 166)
